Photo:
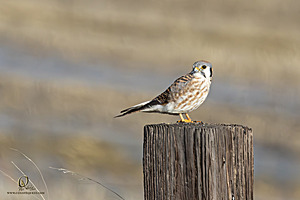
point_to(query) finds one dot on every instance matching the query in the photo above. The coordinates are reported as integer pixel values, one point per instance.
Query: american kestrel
(186, 94)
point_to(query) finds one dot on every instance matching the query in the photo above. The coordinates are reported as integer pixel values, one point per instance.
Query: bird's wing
(162, 99)
(176, 87)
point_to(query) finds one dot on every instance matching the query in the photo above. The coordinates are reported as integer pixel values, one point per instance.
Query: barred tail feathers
(136, 108)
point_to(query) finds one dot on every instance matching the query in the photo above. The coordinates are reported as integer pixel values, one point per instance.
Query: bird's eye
(203, 67)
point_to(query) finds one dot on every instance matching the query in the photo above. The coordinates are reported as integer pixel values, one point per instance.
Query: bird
(184, 95)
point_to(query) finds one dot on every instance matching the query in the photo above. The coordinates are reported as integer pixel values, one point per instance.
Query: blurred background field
(67, 67)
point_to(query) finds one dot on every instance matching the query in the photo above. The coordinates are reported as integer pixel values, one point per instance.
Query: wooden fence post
(194, 161)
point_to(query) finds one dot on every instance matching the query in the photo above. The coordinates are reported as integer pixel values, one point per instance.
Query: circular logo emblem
(23, 181)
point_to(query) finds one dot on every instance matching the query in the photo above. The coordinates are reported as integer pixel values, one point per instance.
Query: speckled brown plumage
(186, 93)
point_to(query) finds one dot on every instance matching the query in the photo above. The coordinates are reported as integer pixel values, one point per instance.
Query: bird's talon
(185, 121)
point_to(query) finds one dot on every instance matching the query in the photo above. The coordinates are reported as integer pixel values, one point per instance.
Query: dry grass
(83, 154)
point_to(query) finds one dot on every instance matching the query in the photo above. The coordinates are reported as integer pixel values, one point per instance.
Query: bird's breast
(191, 96)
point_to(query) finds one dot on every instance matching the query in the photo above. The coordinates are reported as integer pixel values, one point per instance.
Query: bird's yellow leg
(181, 117)
(184, 120)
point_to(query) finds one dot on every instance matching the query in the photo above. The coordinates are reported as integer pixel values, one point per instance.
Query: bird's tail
(136, 108)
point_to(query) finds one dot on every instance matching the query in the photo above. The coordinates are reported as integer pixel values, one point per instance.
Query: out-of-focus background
(67, 67)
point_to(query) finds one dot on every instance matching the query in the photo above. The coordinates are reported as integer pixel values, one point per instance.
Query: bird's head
(203, 68)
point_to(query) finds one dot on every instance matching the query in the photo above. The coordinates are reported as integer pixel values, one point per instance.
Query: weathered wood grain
(191, 161)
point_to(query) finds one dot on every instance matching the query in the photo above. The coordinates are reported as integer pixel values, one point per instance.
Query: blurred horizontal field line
(59, 71)
(106, 31)
(148, 23)
(85, 22)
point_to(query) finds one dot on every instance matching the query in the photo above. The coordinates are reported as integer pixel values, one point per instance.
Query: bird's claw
(185, 121)
(189, 121)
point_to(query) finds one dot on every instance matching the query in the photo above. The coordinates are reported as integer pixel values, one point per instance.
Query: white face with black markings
(203, 68)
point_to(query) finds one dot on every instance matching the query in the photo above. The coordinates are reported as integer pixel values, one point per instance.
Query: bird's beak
(198, 68)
